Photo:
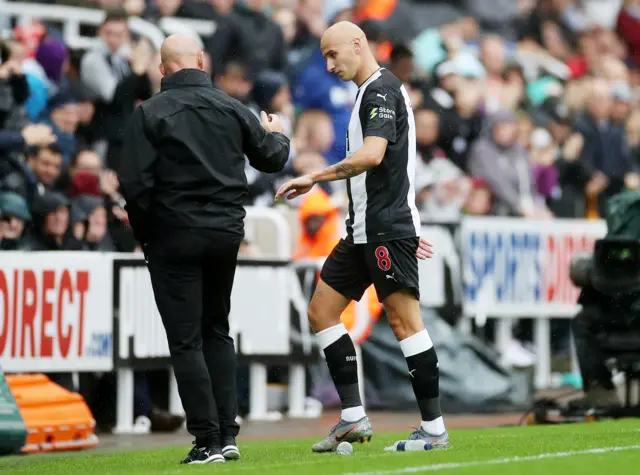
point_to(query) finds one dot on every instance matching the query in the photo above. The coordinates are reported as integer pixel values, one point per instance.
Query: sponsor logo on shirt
(382, 112)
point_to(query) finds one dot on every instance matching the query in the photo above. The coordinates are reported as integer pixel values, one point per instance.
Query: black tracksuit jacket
(183, 158)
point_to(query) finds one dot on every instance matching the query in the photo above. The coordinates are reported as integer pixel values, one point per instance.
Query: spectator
(116, 80)
(605, 152)
(504, 165)
(230, 41)
(310, 25)
(572, 173)
(403, 68)
(441, 187)
(461, 125)
(493, 55)
(286, 20)
(446, 80)
(14, 214)
(498, 16)
(265, 46)
(314, 131)
(86, 136)
(63, 120)
(233, 78)
(316, 88)
(43, 169)
(86, 160)
(51, 225)
(543, 159)
(395, 20)
(622, 100)
(158, 9)
(628, 27)
(45, 73)
(89, 218)
(14, 91)
(479, 201)
(378, 44)
(320, 226)
(272, 95)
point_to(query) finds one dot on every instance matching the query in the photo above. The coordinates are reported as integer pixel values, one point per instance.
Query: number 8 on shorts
(383, 259)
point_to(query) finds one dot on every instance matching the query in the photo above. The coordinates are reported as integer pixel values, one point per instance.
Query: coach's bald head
(180, 52)
(347, 51)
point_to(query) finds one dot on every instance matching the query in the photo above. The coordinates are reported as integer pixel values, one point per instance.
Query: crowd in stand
(522, 107)
(532, 113)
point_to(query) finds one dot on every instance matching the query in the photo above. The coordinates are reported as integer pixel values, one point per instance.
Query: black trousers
(192, 274)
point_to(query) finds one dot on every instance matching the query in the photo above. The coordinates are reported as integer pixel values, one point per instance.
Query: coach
(182, 175)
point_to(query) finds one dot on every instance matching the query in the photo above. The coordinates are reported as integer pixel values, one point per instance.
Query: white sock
(353, 414)
(415, 344)
(330, 335)
(435, 427)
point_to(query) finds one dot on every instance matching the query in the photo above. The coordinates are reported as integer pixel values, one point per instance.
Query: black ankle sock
(341, 360)
(425, 376)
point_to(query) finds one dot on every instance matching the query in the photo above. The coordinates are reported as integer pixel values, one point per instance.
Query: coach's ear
(375, 148)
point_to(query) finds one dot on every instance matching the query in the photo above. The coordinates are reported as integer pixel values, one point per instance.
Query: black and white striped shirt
(382, 200)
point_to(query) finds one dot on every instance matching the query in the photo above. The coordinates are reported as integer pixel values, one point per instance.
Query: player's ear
(162, 71)
(356, 45)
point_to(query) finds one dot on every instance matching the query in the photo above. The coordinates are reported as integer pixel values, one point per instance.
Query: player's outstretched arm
(368, 156)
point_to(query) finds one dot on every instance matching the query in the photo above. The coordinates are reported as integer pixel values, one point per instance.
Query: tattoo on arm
(345, 171)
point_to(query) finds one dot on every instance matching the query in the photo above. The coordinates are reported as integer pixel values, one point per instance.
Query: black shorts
(390, 266)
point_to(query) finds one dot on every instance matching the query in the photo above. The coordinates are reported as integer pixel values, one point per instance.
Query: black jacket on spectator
(457, 134)
(39, 240)
(264, 46)
(183, 158)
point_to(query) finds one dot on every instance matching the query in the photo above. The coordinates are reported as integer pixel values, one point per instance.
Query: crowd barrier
(93, 312)
(516, 268)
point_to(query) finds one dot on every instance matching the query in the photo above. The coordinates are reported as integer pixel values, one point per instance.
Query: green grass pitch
(605, 448)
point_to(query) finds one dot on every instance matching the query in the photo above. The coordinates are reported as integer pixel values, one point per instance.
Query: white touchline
(528, 458)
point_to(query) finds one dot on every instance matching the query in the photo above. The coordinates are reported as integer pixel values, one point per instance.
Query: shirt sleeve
(267, 152)
(378, 114)
(136, 174)
(137, 162)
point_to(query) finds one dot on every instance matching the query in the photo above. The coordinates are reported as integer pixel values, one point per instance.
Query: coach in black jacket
(182, 175)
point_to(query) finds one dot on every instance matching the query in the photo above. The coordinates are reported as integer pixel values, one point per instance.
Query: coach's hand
(297, 186)
(425, 250)
(271, 122)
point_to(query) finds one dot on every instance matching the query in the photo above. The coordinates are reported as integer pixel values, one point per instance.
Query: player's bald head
(180, 52)
(346, 49)
(342, 32)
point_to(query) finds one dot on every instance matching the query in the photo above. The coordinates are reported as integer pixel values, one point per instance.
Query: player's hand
(271, 122)
(296, 187)
(425, 250)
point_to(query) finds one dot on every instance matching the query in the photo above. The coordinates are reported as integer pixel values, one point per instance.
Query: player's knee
(397, 325)
(403, 325)
(319, 318)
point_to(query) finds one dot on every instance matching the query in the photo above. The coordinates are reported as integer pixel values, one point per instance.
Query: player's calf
(324, 316)
(403, 312)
